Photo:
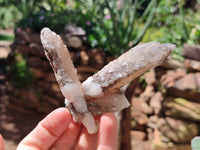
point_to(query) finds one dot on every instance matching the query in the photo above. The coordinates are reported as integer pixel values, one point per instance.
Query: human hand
(1, 143)
(57, 131)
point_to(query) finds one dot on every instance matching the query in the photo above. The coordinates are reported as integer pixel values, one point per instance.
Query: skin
(1, 143)
(57, 131)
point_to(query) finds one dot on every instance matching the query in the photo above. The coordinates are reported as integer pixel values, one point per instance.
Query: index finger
(47, 131)
(107, 138)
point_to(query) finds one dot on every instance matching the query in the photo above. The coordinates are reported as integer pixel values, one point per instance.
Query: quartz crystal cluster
(101, 92)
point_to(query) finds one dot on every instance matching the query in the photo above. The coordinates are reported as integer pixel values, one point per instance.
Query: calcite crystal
(126, 68)
(100, 93)
(66, 75)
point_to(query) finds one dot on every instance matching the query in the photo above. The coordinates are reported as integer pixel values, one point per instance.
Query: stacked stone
(44, 93)
(166, 113)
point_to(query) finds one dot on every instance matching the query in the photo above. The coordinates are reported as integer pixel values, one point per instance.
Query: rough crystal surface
(99, 93)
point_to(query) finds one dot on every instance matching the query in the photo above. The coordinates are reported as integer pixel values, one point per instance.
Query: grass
(5, 37)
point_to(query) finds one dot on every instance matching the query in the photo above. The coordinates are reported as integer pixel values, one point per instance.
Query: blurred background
(165, 111)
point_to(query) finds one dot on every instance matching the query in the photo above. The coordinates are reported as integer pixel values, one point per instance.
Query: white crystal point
(66, 75)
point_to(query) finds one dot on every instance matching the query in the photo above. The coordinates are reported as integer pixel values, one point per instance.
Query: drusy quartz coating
(100, 93)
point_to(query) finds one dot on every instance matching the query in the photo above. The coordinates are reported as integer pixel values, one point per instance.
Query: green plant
(122, 25)
(33, 14)
(194, 23)
(43, 18)
(21, 75)
(25, 6)
(175, 25)
(9, 14)
(50, 13)
(5, 37)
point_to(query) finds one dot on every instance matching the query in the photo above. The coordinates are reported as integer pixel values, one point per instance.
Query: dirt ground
(13, 125)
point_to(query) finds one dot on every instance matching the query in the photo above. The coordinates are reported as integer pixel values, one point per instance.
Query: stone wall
(166, 113)
(165, 109)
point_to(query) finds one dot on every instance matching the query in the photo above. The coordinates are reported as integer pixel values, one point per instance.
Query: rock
(187, 87)
(45, 108)
(18, 42)
(43, 85)
(29, 50)
(156, 102)
(148, 93)
(22, 110)
(84, 58)
(182, 108)
(181, 147)
(83, 76)
(140, 105)
(58, 96)
(4, 52)
(150, 135)
(26, 98)
(37, 49)
(159, 73)
(50, 77)
(74, 42)
(51, 101)
(171, 64)
(36, 62)
(73, 30)
(153, 122)
(192, 65)
(110, 58)
(37, 73)
(171, 76)
(55, 95)
(138, 135)
(28, 36)
(141, 145)
(191, 51)
(97, 58)
(55, 87)
(22, 49)
(150, 77)
(171, 146)
(138, 90)
(136, 126)
(139, 116)
(86, 69)
(157, 142)
(178, 131)
(75, 57)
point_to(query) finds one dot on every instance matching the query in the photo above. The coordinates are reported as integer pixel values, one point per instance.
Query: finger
(69, 137)
(107, 138)
(47, 131)
(1, 143)
(86, 140)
